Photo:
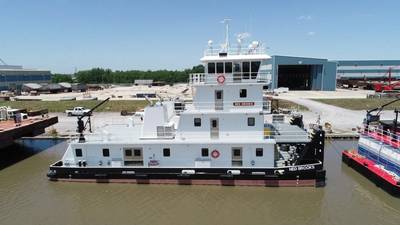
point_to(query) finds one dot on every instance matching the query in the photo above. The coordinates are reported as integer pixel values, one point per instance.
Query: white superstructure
(225, 126)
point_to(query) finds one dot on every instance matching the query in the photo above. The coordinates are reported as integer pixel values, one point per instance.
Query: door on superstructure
(133, 156)
(214, 128)
(219, 100)
(237, 156)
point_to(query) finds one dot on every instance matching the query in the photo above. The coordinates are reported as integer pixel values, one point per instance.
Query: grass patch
(360, 104)
(61, 106)
(285, 104)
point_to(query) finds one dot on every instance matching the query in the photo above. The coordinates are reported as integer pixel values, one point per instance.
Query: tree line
(100, 75)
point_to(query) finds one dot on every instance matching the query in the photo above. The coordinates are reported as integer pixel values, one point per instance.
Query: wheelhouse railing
(264, 105)
(223, 78)
(385, 136)
(235, 51)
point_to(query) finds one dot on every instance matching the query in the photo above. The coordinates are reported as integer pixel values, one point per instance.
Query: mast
(226, 44)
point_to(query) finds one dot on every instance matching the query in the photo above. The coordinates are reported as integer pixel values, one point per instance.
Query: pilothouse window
(220, 67)
(246, 70)
(255, 66)
(228, 67)
(211, 67)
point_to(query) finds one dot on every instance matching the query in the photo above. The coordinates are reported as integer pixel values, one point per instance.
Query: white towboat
(226, 136)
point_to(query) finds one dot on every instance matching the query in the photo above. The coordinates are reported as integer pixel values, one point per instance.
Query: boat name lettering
(302, 167)
(243, 104)
(128, 172)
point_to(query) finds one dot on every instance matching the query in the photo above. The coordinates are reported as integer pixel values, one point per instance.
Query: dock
(10, 131)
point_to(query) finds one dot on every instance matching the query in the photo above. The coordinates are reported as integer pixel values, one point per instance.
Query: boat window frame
(219, 66)
(135, 150)
(243, 93)
(258, 151)
(197, 123)
(107, 151)
(211, 65)
(205, 150)
(78, 150)
(228, 69)
(251, 121)
(166, 152)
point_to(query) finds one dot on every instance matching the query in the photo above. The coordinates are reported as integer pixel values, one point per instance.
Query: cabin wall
(204, 97)
(184, 155)
(231, 126)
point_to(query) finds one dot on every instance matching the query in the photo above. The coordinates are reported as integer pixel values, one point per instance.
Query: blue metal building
(12, 77)
(300, 73)
(367, 69)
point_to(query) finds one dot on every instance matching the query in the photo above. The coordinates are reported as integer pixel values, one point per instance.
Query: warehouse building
(367, 69)
(12, 77)
(300, 73)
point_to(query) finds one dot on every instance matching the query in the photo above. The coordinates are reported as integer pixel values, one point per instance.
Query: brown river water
(27, 197)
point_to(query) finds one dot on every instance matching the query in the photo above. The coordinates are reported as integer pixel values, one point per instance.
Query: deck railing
(235, 51)
(385, 136)
(265, 105)
(223, 78)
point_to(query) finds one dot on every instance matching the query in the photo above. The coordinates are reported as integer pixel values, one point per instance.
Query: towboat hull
(293, 176)
(374, 173)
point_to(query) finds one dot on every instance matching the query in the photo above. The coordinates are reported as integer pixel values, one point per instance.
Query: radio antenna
(226, 44)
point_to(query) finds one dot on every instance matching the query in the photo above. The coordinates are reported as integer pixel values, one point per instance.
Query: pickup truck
(77, 111)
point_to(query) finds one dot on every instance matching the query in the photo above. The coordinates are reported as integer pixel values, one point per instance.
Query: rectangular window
(137, 152)
(228, 67)
(106, 152)
(211, 67)
(197, 122)
(251, 121)
(128, 152)
(78, 152)
(204, 152)
(259, 152)
(237, 152)
(255, 66)
(243, 93)
(166, 152)
(220, 67)
(246, 70)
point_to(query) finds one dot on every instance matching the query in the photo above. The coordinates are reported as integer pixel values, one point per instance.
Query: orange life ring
(221, 79)
(215, 154)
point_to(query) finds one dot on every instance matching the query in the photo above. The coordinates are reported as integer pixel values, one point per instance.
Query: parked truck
(76, 111)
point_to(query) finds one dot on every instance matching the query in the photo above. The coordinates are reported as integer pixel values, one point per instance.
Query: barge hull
(369, 169)
(203, 176)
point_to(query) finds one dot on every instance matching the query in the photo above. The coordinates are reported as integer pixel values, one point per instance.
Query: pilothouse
(226, 136)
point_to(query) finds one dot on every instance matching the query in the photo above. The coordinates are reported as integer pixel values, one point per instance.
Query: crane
(82, 125)
(380, 87)
(374, 118)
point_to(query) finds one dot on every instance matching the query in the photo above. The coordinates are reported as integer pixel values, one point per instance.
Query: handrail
(222, 78)
(235, 51)
(265, 105)
(384, 136)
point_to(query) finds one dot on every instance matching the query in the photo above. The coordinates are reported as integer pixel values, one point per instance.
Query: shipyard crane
(380, 87)
(374, 118)
(82, 125)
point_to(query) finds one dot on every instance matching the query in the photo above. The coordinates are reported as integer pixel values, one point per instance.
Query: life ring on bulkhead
(215, 154)
(221, 79)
